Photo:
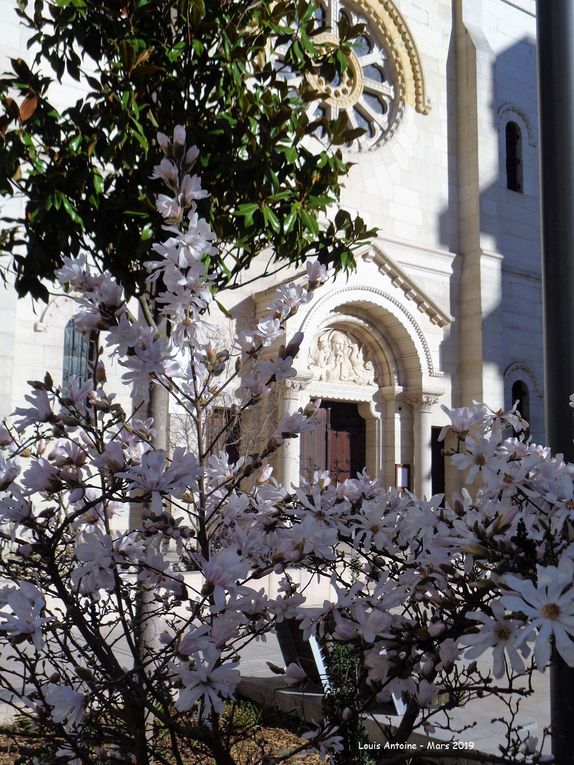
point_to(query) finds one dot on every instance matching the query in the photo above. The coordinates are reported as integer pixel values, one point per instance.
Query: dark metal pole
(555, 23)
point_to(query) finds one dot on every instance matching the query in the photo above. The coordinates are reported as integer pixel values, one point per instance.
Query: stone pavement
(486, 732)
(260, 684)
(480, 717)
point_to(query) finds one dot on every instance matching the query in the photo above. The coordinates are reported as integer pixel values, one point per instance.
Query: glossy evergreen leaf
(202, 63)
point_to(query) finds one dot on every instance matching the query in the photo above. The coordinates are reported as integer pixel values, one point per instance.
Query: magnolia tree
(109, 649)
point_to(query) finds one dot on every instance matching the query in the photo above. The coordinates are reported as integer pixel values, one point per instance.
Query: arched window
(514, 180)
(78, 352)
(521, 394)
(368, 92)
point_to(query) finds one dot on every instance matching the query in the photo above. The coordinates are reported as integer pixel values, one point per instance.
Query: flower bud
(5, 437)
(293, 345)
(84, 673)
(265, 475)
(101, 373)
(312, 408)
(275, 442)
(427, 669)
(178, 143)
(76, 495)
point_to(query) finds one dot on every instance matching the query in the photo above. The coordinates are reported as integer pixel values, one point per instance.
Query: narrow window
(437, 455)
(513, 157)
(78, 352)
(521, 394)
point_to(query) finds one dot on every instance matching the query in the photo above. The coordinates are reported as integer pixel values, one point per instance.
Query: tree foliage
(84, 170)
(432, 604)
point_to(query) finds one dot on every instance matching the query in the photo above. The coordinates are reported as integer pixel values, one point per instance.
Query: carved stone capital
(295, 385)
(421, 401)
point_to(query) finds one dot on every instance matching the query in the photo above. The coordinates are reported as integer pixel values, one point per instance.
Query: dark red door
(314, 446)
(337, 444)
(346, 440)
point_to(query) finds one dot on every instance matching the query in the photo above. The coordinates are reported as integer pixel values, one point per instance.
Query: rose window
(367, 90)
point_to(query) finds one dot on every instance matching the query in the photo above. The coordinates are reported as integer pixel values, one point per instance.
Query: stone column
(374, 461)
(422, 457)
(288, 463)
(388, 396)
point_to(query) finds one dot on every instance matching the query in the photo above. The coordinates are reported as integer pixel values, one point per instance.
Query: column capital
(421, 401)
(390, 392)
(296, 384)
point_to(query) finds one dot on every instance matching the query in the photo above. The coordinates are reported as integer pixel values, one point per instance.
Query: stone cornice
(387, 266)
(401, 279)
(342, 391)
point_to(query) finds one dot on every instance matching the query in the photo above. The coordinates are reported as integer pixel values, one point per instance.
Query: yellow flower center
(551, 611)
(503, 632)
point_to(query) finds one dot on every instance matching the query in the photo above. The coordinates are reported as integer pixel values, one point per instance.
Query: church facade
(445, 304)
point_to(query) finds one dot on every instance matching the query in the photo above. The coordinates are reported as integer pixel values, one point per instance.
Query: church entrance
(337, 444)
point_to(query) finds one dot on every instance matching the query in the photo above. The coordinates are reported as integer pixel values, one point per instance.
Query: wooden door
(337, 444)
(314, 446)
(346, 447)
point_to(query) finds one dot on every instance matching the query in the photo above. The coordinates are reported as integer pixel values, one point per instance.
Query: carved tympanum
(338, 357)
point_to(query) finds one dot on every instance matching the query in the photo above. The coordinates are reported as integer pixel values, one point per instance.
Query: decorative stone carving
(383, 72)
(371, 294)
(296, 385)
(421, 402)
(337, 357)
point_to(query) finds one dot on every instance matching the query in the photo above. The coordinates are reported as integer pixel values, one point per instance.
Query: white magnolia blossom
(269, 330)
(9, 469)
(206, 683)
(21, 613)
(67, 705)
(327, 743)
(40, 411)
(463, 420)
(94, 554)
(549, 608)
(418, 587)
(502, 635)
(292, 424)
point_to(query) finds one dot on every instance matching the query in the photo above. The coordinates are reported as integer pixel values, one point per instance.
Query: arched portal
(365, 356)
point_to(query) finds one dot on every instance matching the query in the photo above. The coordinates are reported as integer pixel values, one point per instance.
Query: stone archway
(365, 349)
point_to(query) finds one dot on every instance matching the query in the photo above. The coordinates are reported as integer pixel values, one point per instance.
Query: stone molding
(412, 290)
(401, 45)
(387, 364)
(520, 369)
(367, 293)
(338, 392)
(511, 113)
(296, 384)
(44, 323)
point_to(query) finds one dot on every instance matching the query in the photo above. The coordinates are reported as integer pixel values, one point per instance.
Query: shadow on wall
(494, 207)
